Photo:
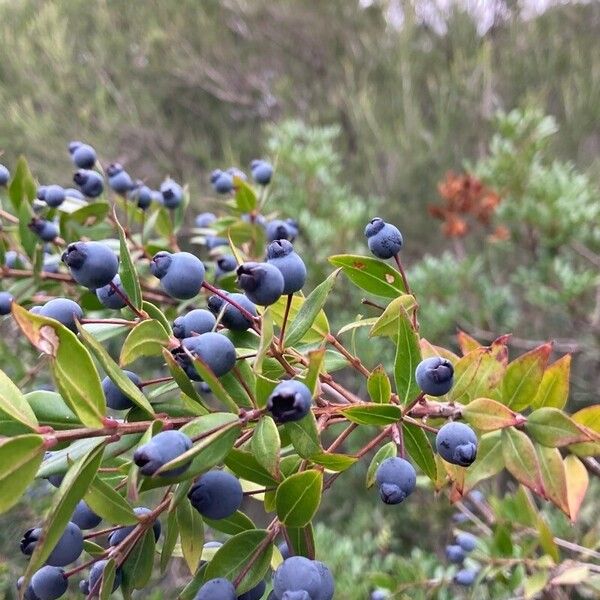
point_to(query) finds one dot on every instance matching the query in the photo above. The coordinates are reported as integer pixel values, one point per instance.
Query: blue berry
(4, 175)
(465, 577)
(143, 196)
(73, 145)
(280, 254)
(215, 350)
(216, 589)
(6, 301)
(215, 175)
(225, 264)
(49, 583)
(262, 282)
(116, 537)
(161, 449)
(72, 193)
(235, 172)
(114, 397)
(96, 573)
(205, 219)
(435, 376)
(396, 479)
(384, 240)
(84, 156)
(456, 443)
(54, 195)
(467, 541)
(281, 230)
(67, 549)
(64, 311)
(45, 230)
(120, 181)
(89, 182)
(172, 193)
(223, 184)
(327, 588)
(262, 171)
(289, 401)
(213, 241)
(256, 593)
(109, 297)
(378, 595)
(84, 517)
(233, 318)
(285, 550)
(455, 554)
(13, 260)
(216, 494)
(41, 192)
(297, 574)
(92, 264)
(196, 321)
(181, 274)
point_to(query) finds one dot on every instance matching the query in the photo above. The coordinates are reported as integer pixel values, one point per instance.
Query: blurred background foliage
(474, 127)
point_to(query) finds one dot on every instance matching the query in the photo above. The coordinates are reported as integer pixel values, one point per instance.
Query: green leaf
(333, 462)
(419, 449)
(553, 428)
(191, 530)
(316, 362)
(524, 376)
(147, 338)
(521, 460)
(137, 569)
(386, 324)
(232, 525)
(266, 445)
(488, 415)
(108, 579)
(589, 418)
(309, 311)
(181, 379)
(304, 435)
(109, 504)
(489, 461)
(157, 314)
(22, 185)
(170, 539)
(77, 380)
(408, 356)
(302, 540)
(115, 373)
(50, 409)
(233, 556)
(129, 276)
(216, 387)
(298, 498)
(245, 465)
(318, 330)
(370, 274)
(553, 476)
(88, 215)
(64, 501)
(379, 386)
(245, 198)
(373, 414)
(20, 458)
(266, 337)
(264, 388)
(386, 451)
(14, 404)
(554, 389)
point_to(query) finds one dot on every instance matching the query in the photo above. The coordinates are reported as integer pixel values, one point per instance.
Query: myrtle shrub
(236, 403)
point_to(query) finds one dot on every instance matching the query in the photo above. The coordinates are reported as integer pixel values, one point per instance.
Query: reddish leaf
(486, 414)
(553, 476)
(521, 460)
(466, 343)
(489, 460)
(577, 483)
(477, 375)
(554, 389)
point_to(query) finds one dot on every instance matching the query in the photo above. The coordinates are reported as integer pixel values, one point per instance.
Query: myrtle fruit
(114, 397)
(396, 479)
(4, 175)
(255, 219)
(84, 517)
(161, 449)
(64, 311)
(223, 183)
(181, 274)
(327, 584)
(465, 577)
(435, 376)
(6, 301)
(66, 550)
(214, 241)
(172, 193)
(216, 494)
(89, 182)
(96, 573)
(226, 264)
(289, 401)
(143, 196)
(455, 554)
(216, 589)
(467, 541)
(262, 171)
(48, 583)
(73, 145)
(45, 230)
(28, 594)
(84, 156)
(378, 595)
(262, 283)
(384, 240)
(215, 350)
(54, 195)
(40, 193)
(456, 443)
(232, 317)
(256, 593)
(14, 260)
(280, 230)
(73, 193)
(92, 264)
(197, 321)
(297, 574)
(119, 180)
(280, 254)
(111, 298)
(116, 537)
(285, 550)
(205, 219)
(50, 264)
